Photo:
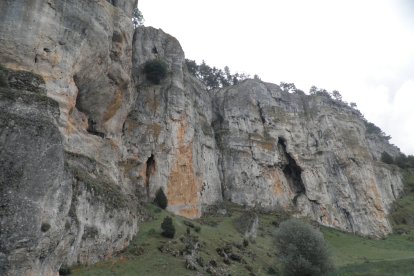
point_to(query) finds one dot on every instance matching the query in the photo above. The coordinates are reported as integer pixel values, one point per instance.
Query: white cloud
(364, 49)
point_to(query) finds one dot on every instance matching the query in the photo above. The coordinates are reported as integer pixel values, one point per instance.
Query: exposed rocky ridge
(304, 153)
(84, 138)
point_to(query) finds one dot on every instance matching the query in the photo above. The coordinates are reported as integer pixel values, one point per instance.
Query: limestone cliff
(305, 153)
(65, 94)
(85, 138)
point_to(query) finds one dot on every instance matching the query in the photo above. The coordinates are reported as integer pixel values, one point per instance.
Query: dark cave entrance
(149, 170)
(92, 125)
(292, 171)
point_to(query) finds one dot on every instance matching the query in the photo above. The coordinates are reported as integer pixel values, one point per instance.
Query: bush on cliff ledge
(155, 70)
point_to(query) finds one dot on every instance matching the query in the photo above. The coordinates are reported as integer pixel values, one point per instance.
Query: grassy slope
(403, 213)
(352, 254)
(153, 262)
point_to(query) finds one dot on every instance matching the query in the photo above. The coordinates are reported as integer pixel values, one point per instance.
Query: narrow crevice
(149, 170)
(292, 172)
(261, 114)
(218, 138)
(349, 219)
(393, 192)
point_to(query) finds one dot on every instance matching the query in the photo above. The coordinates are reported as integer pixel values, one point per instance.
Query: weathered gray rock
(168, 133)
(64, 202)
(309, 154)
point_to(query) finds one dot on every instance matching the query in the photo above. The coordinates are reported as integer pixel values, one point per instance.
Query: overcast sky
(363, 48)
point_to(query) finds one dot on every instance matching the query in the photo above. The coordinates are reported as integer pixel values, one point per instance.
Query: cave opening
(149, 170)
(92, 125)
(292, 171)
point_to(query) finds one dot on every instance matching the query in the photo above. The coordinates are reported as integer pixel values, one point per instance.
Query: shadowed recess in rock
(292, 171)
(149, 170)
(91, 123)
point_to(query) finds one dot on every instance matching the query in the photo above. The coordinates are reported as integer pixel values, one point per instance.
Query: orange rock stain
(183, 185)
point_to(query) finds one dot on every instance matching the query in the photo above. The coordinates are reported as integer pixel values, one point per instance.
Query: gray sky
(363, 48)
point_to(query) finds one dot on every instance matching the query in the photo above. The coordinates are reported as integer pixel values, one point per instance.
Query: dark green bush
(155, 70)
(160, 199)
(168, 229)
(45, 227)
(64, 270)
(302, 249)
(386, 158)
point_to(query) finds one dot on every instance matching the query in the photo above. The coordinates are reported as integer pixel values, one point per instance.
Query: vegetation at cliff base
(220, 246)
(161, 199)
(302, 250)
(402, 215)
(168, 229)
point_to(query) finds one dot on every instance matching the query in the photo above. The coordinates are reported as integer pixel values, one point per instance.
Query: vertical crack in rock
(218, 132)
(292, 171)
(349, 219)
(149, 170)
(261, 113)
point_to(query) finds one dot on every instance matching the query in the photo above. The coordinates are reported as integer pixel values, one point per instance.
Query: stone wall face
(85, 138)
(65, 93)
(172, 123)
(306, 153)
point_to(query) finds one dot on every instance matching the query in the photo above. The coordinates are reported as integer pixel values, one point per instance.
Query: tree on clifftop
(137, 18)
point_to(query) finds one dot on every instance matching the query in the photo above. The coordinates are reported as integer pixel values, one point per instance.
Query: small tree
(287, 87)
(386, 158)
(160, 199)
(168, 229)
(137, 18)
(155, 70)
(337, 96)
(302, 249)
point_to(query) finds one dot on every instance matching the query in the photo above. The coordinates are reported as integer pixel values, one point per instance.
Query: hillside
(152, 254)
(96, 117)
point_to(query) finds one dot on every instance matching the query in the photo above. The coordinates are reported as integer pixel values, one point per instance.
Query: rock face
(304, 153)
(168, 133)
(64, 97)
(85, 138)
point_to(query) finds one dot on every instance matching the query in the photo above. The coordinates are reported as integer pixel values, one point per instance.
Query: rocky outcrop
(85, 138)
(168, 133)
(309, 154)
(64, 96)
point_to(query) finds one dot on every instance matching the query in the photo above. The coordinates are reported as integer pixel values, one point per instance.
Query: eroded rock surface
(170, 125)
(64, 96)
(85, 138)
(304, 153)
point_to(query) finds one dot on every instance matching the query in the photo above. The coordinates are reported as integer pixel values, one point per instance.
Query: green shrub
(168, 229)
(64, 270)
(302, 249)
(155, 70)
(386, 158)
(160, 199)
(45, 227)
